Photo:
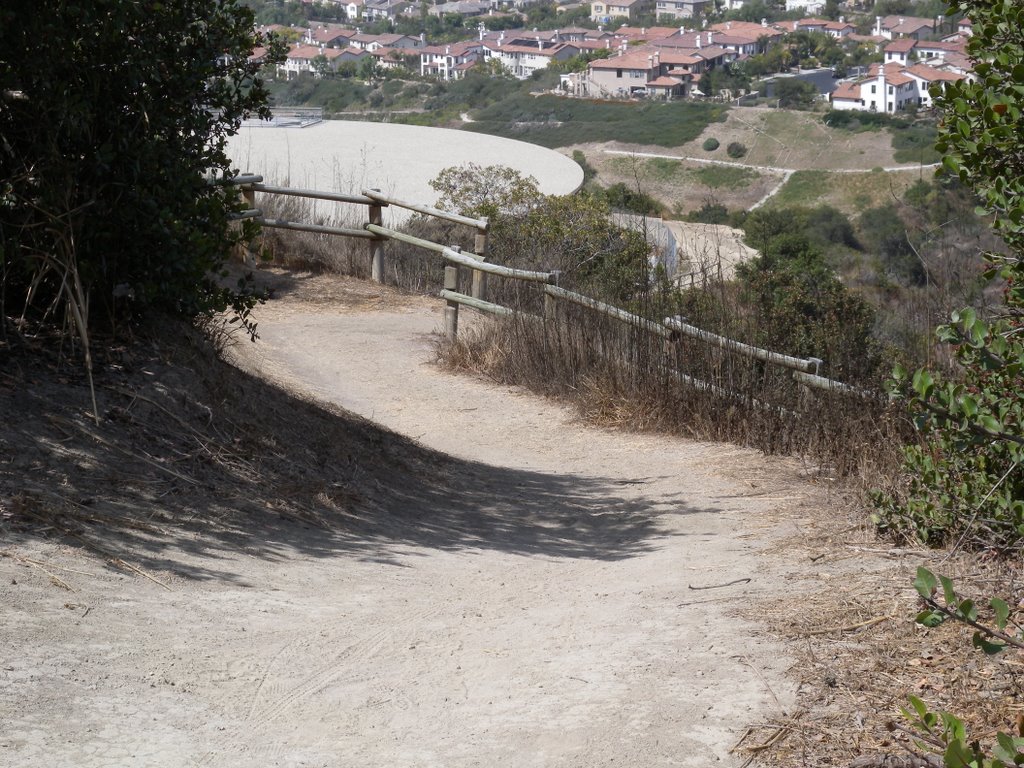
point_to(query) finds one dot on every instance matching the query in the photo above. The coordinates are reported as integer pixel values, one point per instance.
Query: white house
(808, 6)
(891, 88)
(448, 62)
(522, 56)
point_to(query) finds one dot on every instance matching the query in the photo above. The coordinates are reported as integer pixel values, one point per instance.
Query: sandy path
(556, 626)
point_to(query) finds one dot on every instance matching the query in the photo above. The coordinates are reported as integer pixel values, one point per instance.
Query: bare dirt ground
(513, 589)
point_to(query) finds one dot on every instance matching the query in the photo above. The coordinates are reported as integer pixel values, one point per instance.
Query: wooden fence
(805, 371)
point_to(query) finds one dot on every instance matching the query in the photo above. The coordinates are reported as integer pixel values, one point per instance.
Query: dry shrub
(311, 250)
(624, 376)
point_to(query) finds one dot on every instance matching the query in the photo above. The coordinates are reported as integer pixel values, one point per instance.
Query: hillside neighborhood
(896, 59)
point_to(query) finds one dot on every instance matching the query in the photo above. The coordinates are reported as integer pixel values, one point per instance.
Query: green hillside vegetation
(551, 121)
(851, 192)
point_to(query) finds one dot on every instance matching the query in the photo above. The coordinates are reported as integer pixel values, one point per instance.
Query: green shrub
(710, 145)
(735, 150)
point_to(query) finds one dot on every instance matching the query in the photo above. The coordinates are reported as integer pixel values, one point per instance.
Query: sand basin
(345, 156)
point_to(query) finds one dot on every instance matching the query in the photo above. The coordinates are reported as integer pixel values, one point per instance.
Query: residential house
(746, 37)
(603, 11)
(839, 29)
(927, 76)
(807, 6)
(899, 51)
(895, 27)
(965, 27)
(891, 88)
(375, 10)
(373, 42)
(683, 9)
(466, 8)
(353, 9)
(658, 69)
(940, 49)
(624, 75)
(390, 58)
(446, 62)
(328, 35)
(522, 56)
(313, 58)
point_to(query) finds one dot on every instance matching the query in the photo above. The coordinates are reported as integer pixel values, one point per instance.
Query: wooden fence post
(479, 290)
(249, 256)
(377, 244)
(451, 310)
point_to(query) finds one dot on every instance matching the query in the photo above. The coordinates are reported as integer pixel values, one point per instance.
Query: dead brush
(626, 377)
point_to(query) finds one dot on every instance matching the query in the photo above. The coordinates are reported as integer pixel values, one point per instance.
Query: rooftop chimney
(764, 22)
(709, 38)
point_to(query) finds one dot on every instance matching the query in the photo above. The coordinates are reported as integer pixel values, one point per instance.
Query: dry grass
(853, 193)
(860, 654)
(628, 378)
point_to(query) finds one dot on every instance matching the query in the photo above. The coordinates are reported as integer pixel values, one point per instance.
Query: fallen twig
(115, 560)
(719, 586)
(57, 580)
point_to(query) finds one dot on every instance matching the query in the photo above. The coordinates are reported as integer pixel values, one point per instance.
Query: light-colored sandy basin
(344, 156)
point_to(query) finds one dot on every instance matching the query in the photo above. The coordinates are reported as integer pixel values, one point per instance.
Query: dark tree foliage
(113, 117)
(802, 306)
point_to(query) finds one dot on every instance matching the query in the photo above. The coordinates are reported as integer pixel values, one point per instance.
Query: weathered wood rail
(805, 371)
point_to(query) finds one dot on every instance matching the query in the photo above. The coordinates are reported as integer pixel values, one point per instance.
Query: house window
(618, 73)
(890, 90)
(872, 88)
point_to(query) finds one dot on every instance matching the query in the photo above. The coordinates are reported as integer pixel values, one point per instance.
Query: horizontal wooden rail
(250, 213)
(469, 260)
(242, 178)
(608, 309)
(480, 224)
(379, 231)
(314, 194)
(318, 228)
(820, 382)
(742, 349)
(480, 304)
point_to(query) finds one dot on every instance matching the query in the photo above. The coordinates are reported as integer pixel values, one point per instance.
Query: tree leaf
(925, 583)
(1002, 612)
(947, 590)
(980, 642)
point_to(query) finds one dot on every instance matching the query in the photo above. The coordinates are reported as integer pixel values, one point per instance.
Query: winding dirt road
(584, 609)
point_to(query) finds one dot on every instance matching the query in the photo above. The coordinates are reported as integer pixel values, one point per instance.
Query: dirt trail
(575, 618)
